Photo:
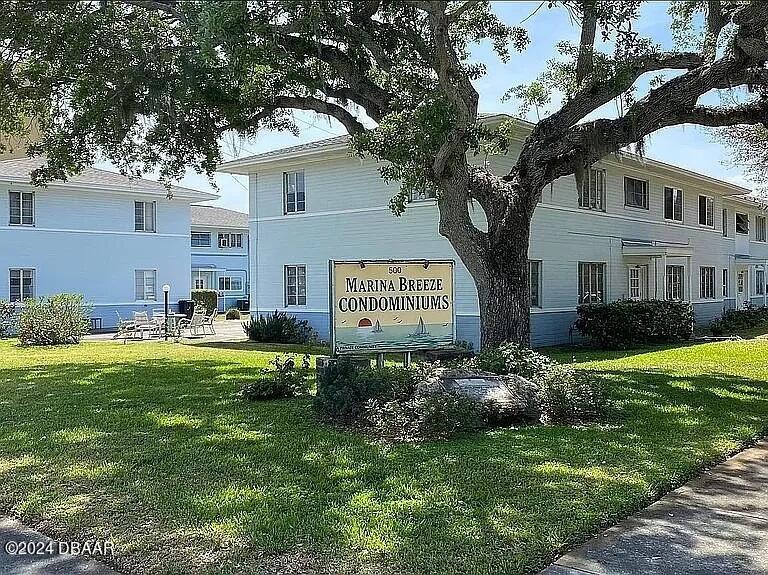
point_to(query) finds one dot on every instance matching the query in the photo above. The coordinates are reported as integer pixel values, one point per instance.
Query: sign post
(381, 306)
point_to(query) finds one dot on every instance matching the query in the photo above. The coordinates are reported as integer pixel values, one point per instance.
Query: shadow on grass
(162, 456)
(263, 347)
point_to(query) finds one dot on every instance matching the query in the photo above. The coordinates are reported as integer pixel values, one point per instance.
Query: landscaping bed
(150, 446)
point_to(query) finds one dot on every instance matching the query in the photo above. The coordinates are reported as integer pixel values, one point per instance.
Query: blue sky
(687, 146)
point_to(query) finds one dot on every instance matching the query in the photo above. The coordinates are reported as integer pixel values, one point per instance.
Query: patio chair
(125, 328)
(143, 323)
(209, 319)
(194, 325)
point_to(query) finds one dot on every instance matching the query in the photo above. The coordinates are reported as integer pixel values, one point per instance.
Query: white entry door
(742, 287)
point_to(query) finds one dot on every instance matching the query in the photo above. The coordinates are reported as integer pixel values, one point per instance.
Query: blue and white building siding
(83, 237)
(613, 251)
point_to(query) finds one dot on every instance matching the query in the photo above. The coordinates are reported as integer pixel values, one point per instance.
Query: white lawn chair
(194, 325)
(126, 328)
(143, 323)
(209, 319)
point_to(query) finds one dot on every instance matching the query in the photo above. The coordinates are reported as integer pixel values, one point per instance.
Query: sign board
(391, 306)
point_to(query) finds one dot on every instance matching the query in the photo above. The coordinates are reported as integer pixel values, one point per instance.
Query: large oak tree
(158, 83)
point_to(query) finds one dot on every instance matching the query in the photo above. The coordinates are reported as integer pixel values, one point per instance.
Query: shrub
(279, 327)
(625, 323)
(287, 379)
(207, 298)
(8, 318)
(570, 395)
(59, 319)
(233, 313)
(513, 359)
(733, 321)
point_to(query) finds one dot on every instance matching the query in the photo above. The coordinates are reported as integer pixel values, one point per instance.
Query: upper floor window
(227, 283)
(21, 284)
(295, 285)
(707, 211)
(230, 240)
(675, 282)
(707, 282)
(742, 223)
(673, 204)
(592, 194)
(535, 275)
(424, 192)
(145, 284)
(293, 192)
(760, 234)
(22, 208)
(144, 216)
(591, 282)
(725, 223)
(635, 193)
(201, 239)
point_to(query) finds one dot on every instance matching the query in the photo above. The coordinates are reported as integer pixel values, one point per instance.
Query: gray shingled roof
(20, 168)
(213, 217)
(304, 147)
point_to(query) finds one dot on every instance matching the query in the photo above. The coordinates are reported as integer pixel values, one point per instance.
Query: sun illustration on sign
(364, 322)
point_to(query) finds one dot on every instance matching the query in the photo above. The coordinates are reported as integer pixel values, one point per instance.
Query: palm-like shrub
(279, 327)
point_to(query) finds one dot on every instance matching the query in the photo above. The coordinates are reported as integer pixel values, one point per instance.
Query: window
(227, 283)
(295, 285)
(725, 223)
(591, 282)
(22, 208)
(535, 274)
(22, 284)
(425, 192)
(759, 282)
(146, 285)
(707, 282)
(592, 196)
(675, 282)
(144, 216)
(707, 211)
(673, 204)
(742, 223)
(201, 240)
(760, 228)
(199, 283)
(725, 283)
(635, 193)
(637, 282)
(293, 192)
(230, 240)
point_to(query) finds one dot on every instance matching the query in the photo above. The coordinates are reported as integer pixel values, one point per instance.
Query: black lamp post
(166, 291)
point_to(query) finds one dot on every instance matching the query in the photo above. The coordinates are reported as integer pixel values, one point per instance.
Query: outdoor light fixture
(166, 291)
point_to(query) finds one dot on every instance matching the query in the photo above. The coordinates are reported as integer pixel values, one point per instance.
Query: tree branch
(584, 61)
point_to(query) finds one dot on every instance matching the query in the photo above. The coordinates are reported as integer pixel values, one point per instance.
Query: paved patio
(226, 331)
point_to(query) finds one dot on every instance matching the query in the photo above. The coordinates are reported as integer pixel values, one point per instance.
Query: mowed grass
(146, 444)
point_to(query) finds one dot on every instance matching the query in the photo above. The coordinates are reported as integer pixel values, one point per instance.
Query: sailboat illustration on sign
(421, 330)
(377, 328)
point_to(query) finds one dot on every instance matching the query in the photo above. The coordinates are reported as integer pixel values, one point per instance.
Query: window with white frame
(726, 283)
(227, 240)
(707, 282)
(201, 239)
(146, 285)
(424, 192)
(22, 208)
(592, 194)
(635, 193)
(591, 282)
(759, 282)
(674, 282)
(673, 204)
(144, 216)
(760, 235)
(294, 198)
(295, 285)
(725, 223)
(637, 277)
(707, 211)
(230, 283)
(535, 275)
(199, 283)
(742, 224)
(21, 284)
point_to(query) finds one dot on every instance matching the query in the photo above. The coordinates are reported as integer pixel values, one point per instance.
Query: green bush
(59, 319)
(733, 321)
(570, 395)
(232, 313)
(623, 324)
(207, 298)
(512, 359)
(8, 318)
(279, 327)
(287, 379)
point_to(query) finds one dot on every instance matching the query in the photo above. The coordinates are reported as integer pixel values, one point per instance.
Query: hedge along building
(638, 229)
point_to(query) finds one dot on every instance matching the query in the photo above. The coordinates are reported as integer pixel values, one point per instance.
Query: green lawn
(146, 444)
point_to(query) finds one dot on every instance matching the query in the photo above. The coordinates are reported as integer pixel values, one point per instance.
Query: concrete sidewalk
(715, 524)
(41, 557)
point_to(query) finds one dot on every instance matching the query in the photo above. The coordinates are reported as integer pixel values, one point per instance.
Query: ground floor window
(146, 285)
(675, 282)
(21, 284)
(591, 282)
(725, 283)
(199, 283)
(759, 282)
(638, 282)
(227, 283)
(535, 273)
(295, 285)
(707, 282)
